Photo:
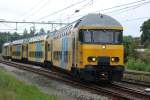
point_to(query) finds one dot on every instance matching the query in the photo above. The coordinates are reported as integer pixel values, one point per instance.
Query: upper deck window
(101, 36)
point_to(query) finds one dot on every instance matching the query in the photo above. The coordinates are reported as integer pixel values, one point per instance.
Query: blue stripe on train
(67, 52)
(38, 47)
(62, 52)
(18, 49)
(64, 49)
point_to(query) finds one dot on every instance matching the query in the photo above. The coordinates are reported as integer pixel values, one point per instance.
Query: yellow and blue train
(90, 48)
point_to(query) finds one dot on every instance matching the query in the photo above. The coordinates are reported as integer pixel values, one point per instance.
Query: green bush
(137, 64)
(13, 89)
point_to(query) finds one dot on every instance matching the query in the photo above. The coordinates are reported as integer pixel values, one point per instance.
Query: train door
(51, 49)
(46, 50)
(26, 51)
(73, 51)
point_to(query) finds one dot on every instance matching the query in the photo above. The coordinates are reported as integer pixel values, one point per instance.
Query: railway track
(137, 78)
(139, 83)
(114, 90)
(132, 92)
(137, 73)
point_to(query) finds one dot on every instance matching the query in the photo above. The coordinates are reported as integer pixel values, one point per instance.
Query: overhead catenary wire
(56, 12)
(95, 11)
(118, 6)
(132, 5)
(134, 19)
(72, 5)
(81, 8)
(128, 7)
(27, 13)
(38, 10)
(7, 25)
(104, 9)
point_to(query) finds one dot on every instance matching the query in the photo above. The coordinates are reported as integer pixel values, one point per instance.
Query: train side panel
(25, 52)
(62, 51)
(36, 51)
(17, 52)
(49, 50)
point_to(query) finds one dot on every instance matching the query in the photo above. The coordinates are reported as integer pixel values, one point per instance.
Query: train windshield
(100, 36)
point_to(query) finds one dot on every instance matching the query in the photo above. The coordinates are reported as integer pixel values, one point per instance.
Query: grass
(13, 89)
(138, 64)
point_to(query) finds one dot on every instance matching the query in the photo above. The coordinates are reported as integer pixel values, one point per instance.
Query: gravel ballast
(52, 87)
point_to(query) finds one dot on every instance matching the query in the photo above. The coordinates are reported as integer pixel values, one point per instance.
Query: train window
(103, 36)
(66, 56)
(38, 54)
(87, 36)
(57, 55)
(17, 53)
(118, 37)
(100, 36)
(41, 54)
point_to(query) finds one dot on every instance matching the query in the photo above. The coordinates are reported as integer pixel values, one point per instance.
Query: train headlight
(103, 46)
(115, 59)
(112, 59)
(92, 59)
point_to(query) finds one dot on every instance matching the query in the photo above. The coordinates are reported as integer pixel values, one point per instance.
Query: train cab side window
(81, 36)
(118, 37)
(85, 36)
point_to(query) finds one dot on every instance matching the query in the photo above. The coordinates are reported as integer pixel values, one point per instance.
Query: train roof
(38, 38)
(7, 43)
(25, 41)
(18, 41)
(51, 34)
(100, 20)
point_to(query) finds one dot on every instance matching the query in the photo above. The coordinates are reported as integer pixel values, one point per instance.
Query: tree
(42, 31)
(25, 32)
(145, 29)
(7, 37)
(15, 36)
(129, 44)
(32, 31)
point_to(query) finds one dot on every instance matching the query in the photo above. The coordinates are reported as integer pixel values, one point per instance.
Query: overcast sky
(37, 10)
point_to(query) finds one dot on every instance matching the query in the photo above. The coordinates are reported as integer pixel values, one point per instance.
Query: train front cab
(100, 54)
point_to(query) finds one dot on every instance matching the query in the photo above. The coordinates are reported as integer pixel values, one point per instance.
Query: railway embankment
(112, 90)
(13, 89)
(52, 87)
(138, 76)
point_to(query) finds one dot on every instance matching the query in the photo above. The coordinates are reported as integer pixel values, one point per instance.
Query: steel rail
(110, 91)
